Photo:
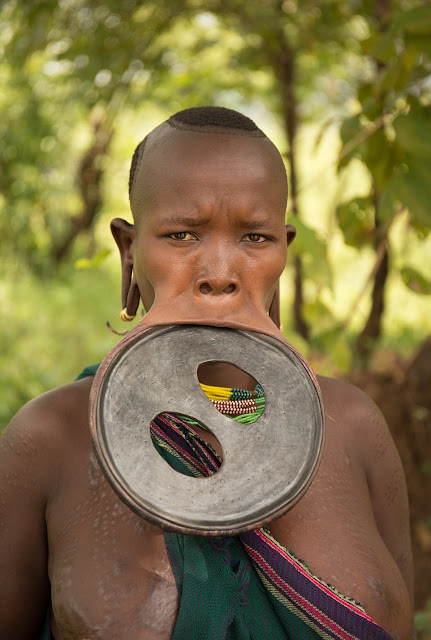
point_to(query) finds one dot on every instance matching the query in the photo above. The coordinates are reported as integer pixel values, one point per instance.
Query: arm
(360, 426)
(26, 475)
(388, 490)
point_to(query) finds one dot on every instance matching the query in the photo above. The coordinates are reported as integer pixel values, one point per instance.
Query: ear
(290, 233)
(124, 234)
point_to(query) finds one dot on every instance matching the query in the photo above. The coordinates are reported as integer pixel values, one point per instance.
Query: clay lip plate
(267, 465)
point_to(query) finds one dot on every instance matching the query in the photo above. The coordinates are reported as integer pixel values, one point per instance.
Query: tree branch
(90, 176)
(381, 249)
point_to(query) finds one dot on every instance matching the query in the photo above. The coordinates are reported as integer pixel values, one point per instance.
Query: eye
(256, 238)
(182, 236)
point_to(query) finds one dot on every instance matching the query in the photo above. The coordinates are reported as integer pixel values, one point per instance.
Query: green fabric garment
(88, 371)
(221, 596)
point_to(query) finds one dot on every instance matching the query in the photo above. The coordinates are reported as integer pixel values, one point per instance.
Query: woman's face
(210, 229)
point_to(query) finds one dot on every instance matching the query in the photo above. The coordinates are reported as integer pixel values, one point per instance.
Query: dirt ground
(404, 396)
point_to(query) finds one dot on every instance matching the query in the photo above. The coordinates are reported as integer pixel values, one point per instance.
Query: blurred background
(343, 88)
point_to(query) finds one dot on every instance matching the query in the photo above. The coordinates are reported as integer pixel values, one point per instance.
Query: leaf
(423, 621)
(394, 76)
(419, 229)
(306, 238)
(312, 249)
(416, 281)
(371, 107)
(413, 134)
(414, 192)
(325, 126)
(388, 200)
(384, 48)
(95, 261)
(368, 94)
(319, 316)
(334, 345)
(356, 220)
(349, 132)
(416, 21)
(379, 157)
(417, 46)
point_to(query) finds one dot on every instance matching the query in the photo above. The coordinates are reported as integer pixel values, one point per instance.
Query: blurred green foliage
(51, 330)
(423, 623)
(362, 89)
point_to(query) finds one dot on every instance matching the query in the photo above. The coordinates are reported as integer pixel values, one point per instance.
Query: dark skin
(210, 230)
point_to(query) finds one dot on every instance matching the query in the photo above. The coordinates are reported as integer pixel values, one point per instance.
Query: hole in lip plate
(187, 446)
(231, 390)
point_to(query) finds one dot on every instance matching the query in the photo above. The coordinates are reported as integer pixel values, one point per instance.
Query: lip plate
(267, 465)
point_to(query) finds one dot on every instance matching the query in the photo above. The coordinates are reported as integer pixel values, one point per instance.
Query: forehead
(180, 166)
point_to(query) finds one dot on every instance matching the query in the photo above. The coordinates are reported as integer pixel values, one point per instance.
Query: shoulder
(44, 428)
(354, 416)
(54, 410)
(342, 395)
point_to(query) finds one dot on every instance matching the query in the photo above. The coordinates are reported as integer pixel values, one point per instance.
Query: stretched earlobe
(290, 233)
(133, 297)
(274, 308)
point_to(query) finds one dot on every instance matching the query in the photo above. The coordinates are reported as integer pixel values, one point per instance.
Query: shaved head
(190, 124)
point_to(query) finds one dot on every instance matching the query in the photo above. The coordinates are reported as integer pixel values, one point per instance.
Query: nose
(213, 287)
(218, 276)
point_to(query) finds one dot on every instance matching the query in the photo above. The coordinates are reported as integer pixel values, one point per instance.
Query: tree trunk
(366, 340)
(90, 176)
(418, 370)
(285, 69)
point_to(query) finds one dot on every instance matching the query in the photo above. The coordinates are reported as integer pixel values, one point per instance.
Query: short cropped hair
(205, 120)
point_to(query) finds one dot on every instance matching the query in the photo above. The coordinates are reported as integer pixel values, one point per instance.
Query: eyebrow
(188, 221)
(254, 224)
(185, 221)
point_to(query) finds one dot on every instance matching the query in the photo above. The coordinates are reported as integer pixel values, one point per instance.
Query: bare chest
(333, 530)
(109, 570)
(111, 576)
